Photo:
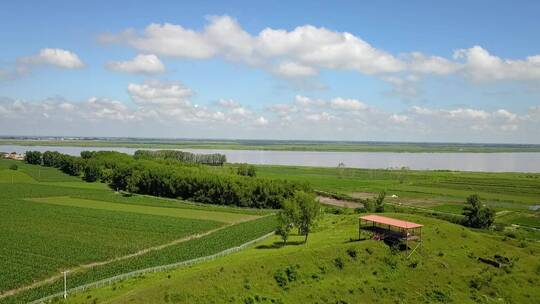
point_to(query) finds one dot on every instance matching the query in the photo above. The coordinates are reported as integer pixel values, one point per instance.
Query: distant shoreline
(279, 145)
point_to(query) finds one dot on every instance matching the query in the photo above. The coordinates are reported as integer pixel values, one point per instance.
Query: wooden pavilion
(385, 228)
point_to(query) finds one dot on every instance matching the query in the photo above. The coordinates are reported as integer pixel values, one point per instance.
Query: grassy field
(443, 191)
(331, 268)
(52, 222)
(271, 145)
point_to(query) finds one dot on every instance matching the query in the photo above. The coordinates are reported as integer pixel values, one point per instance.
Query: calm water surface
(486, 162)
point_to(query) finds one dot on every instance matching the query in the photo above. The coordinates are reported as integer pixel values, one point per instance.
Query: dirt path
(100, 263)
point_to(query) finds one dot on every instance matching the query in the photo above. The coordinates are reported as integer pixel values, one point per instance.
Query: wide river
(485, 162)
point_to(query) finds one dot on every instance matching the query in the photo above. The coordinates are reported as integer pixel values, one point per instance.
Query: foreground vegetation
(335, 267)
(273, 145)
(97, 233)
(60, 223)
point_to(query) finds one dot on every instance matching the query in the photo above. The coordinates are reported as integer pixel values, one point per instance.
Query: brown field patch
(340, 203)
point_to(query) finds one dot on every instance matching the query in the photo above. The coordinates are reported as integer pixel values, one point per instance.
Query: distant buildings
(12, 155)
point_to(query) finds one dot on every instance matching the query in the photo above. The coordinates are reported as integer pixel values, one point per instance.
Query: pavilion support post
(359, 228)
(406, 240)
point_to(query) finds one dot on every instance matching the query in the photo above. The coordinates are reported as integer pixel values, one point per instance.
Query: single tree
(285, 223)
(308, 212)
(476, 214)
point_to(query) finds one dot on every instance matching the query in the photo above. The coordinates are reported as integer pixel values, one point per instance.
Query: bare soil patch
(340, 203)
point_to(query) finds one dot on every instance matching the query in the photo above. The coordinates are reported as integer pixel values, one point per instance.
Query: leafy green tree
(33, 157)
(379, 202)
(284, 227)
(304, 209)
(476, 214)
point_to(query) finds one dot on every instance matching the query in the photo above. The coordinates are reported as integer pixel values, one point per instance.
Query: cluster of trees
(215, 159)
(302, 211)
(171, 178)
(68, 164)
(476, 214)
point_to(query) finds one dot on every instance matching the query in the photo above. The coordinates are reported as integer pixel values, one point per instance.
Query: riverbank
(281, 145)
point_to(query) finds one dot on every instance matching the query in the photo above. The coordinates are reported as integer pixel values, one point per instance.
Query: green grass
(323, 271)
(280, 145)
(12, 176)
(39, 173)
(226, 217)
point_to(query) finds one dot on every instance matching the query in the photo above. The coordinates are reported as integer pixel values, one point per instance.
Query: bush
(339, 263)
(379, 202)
(246, 170)
(13, 167)
(286, 276)
(352, 252)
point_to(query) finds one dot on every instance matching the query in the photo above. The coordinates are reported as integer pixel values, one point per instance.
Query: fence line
(135, 273)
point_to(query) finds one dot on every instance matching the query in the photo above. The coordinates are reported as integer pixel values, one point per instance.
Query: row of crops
(207, 245)
(38, 238)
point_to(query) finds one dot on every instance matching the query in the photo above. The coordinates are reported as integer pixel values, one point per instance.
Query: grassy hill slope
(335, 268)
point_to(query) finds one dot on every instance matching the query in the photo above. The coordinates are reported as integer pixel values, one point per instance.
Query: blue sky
(391, 70)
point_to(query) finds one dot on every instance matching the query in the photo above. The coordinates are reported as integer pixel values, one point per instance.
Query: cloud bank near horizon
(165, 109)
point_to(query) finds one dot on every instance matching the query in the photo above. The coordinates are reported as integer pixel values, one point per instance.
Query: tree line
(171, 178)
(215, 159)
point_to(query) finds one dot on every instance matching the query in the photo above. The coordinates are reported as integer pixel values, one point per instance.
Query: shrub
(286, 276)
(352, 252)
(246, 170)
(339, 263)
(13, 167)
(379, 202)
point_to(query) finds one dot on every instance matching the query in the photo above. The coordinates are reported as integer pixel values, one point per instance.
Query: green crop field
(227, 217)
(53, 222)
(331, 268)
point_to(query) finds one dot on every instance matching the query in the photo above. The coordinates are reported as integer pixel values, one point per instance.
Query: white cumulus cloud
(146, 64)
(348, 104)
(160, 93)
(56, 57)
